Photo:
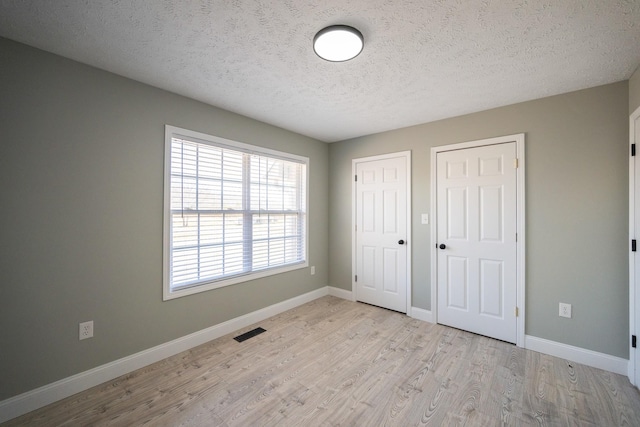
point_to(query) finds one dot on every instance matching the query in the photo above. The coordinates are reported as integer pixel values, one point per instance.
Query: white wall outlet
(86, 330)
(565, 310)
(313, 270)
(425, 218)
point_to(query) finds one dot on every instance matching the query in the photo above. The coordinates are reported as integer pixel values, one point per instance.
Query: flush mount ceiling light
(338, 43)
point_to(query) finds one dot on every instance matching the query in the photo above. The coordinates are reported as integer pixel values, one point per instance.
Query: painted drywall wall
(576, 208)
(634, 91)
(81, 172)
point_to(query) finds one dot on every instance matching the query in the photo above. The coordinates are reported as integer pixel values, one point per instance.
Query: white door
(476, 238)
(381, 232)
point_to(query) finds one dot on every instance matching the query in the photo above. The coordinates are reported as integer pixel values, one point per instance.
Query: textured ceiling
(422, 61)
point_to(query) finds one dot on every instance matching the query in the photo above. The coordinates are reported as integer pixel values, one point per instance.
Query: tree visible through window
(233, 210)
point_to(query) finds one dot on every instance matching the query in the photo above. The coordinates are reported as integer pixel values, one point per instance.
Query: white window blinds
(233, 211)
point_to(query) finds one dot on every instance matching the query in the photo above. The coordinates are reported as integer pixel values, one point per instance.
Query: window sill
(195, 289)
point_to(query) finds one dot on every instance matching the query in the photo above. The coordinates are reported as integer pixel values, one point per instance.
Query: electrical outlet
(86, 330)
(313, 270)
(565, 310)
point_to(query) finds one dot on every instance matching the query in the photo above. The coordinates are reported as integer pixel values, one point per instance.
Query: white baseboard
(341, 293)
(421, 314)
(34, 399)
(577, 354)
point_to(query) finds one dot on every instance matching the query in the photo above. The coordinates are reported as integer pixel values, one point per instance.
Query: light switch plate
(425, 218)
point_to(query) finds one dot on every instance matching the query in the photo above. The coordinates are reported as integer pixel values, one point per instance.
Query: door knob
(443, 246)
(401, 242)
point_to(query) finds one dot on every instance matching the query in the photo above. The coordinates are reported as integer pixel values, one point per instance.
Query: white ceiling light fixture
(338, 43)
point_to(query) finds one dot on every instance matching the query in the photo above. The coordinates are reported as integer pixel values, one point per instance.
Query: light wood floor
(333, 362)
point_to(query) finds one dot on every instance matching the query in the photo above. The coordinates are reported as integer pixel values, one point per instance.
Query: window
(233, 212)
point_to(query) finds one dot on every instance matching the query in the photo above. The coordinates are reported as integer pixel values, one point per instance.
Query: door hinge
(633, 245)
(633, 149)
(515, 163)
(517, 312)
(516, 237)
(356, 277)
(356, 227)
(356, 178)
(633, 341)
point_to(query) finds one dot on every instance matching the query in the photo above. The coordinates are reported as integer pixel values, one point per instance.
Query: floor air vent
(250, 334)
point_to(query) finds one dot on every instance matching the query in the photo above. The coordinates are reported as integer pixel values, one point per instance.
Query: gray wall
(81, 171)
(576, 208)
(634, 91)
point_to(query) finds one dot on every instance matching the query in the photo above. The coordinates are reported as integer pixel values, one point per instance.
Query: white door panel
(457, 291)
(491, 288)
(381, 222)
(476, 234)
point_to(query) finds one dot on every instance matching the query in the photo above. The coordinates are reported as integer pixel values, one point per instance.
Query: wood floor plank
(574, 399)
(431, 404)
(540, 392)
(611, 402)
(503, 401)
(334, 362)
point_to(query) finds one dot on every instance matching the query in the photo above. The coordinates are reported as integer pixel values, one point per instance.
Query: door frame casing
(520, 224)
(354, 219)
(634, 281)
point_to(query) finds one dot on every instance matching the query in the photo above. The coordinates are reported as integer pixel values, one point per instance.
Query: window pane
(187, 198)
(274, 197)
(176, 192)
(276, 226)
(233, 258)
(210, 162)
(187, 155)
(260, 254)
(258, 197)
(209, 194)
(291, 252)
(233, 228)
(212, 262)
(291, 225)
(290, 202)
(276, 252)
(291, 174)
(232, 195)
(219, 203)
(232, 165)
(211, 229)
(260, 227)
(183, 268)
(274, 171)
(185, 230)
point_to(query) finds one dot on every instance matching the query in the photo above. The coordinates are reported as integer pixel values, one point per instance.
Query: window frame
(176, 132)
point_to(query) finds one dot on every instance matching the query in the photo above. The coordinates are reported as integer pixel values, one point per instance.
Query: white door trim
(354, 197)
(634, 282)
(520, 221)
